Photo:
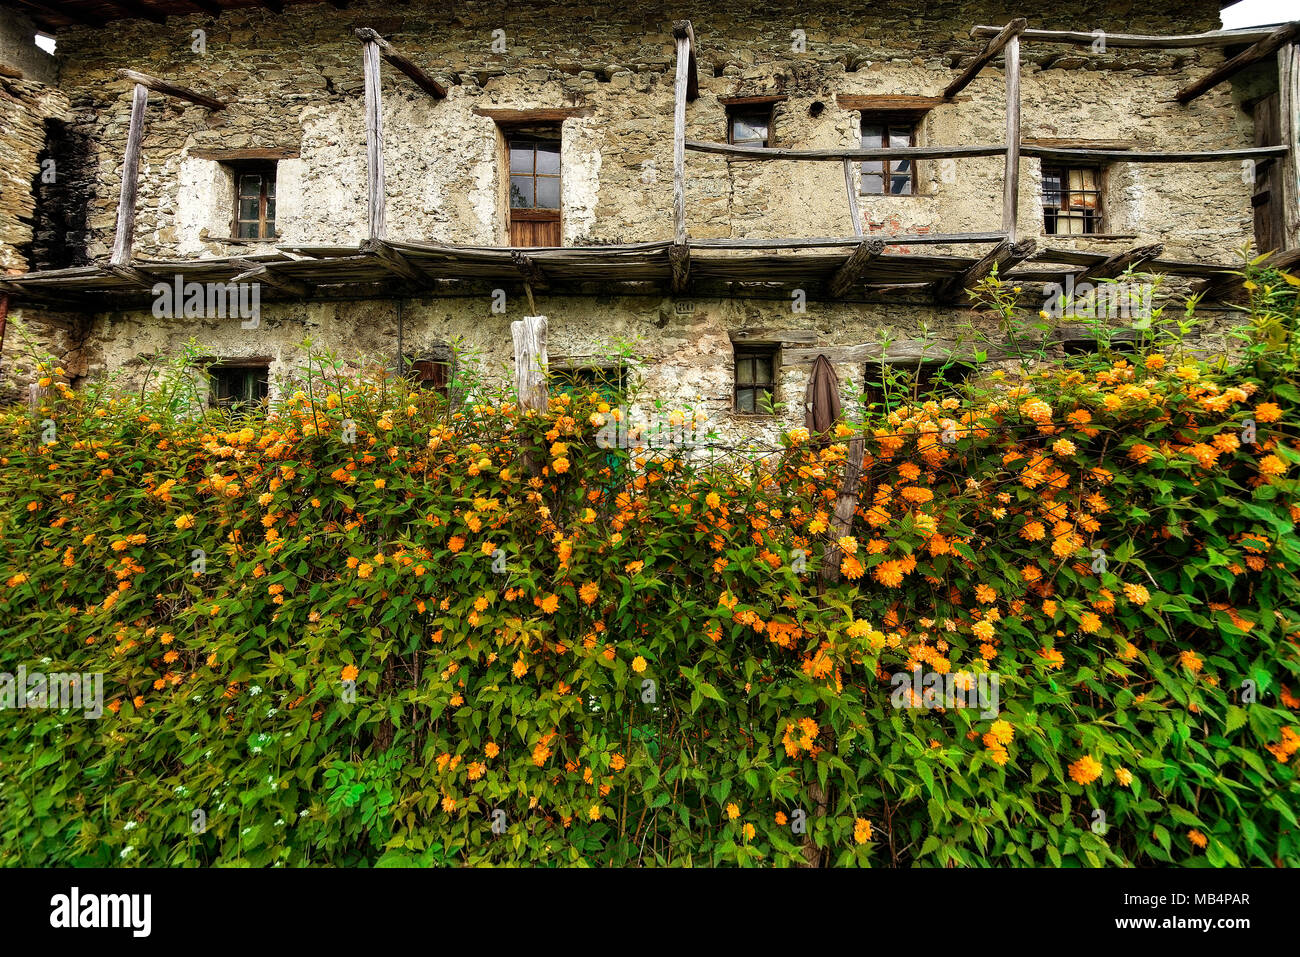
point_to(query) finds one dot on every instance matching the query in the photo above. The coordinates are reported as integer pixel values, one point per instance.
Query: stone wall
(294, 83)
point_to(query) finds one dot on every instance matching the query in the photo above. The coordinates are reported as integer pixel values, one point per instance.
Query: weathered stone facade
(294, 83)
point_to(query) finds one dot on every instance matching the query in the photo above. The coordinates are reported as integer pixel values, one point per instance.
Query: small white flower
(279, 822)
(254, 689)
(130, 825)
(126, 851)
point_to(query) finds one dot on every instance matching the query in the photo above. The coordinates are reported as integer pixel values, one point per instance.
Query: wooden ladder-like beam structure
(1013, 29)
(1287, 33)
(124, 234)
(1005, 256)
(854, 268)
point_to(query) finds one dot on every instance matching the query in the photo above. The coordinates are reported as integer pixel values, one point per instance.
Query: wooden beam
(1005, 256)
(231, 156)
(854, 214)
(816, 242)
(1214, 287)
(171, 89)
(992, 49)
(134, 9)
(1113, 266)
(124, 235)
(679, 260)
(275, 6)
(390, 53)
(260, 272)
(393, 260)
(837, 155)
(1214, 38)
(682, 30)
(1134, 156)
(374, 141)
(210, 7)
(680, 85)
(529, 269)
(887, 102)
(1011, 176)
(50, 15)
(853, 268)
(1264, 48)
(549, 114)
(137, 277)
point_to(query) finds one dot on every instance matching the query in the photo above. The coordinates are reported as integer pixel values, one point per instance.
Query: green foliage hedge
(618, 657)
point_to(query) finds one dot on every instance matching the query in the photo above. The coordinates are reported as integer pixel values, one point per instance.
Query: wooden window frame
(536, 213)
(1098, 211)
(885, 119)
(267, 169)
(751, 352)
(738, 109)
(923, 375)
(259, 369)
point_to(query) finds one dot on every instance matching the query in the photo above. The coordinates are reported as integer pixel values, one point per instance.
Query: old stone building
(690, 194)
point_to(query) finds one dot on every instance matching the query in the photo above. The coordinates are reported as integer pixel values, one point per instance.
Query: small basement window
(912, 379)
(433, 375)
(755, 378)
(1071, 200)
(236, 386)
(606, 381)
(254, 199)
(888, 177)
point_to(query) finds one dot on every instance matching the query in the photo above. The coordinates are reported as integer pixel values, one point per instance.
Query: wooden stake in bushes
(530, 373)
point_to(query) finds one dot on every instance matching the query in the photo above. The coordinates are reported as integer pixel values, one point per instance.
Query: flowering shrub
(371, 628)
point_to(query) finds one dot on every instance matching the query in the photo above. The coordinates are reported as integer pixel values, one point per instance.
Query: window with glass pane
(1071, 200)
(534, 174)
(888, 177)
(755, 376)
(749, 126)
(237, 386)
(255, 201)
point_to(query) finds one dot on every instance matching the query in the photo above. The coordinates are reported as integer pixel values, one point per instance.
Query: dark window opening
(534, 188)
(1084, 347)
(580, 381)
(254, 200)
(233, 387)
(749, 125)
(1071, 200)
(755, 379)
(896, 177)
(909, 381)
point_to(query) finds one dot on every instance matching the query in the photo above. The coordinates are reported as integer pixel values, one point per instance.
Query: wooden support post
(171, 89)
(853, 268)
(530, 270)
(1006, 256)
(259, 272)
(1288, 82)
(1112, 267)
(682, 31)
(1011, 179)
(124, 236)
(1283, 35)
(1011, 31)
(846, 505)
(390, 53)
(374, 141)
(853, 198)
(679, 259)
(529, 336)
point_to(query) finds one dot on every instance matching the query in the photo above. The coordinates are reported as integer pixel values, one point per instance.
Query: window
(534, 189)
(755, 378)
(432, 374)
(888, 177)
(749, 125)
(236, 386)
(254, 200)
(606, 381)
(911, 380)
(1071, 200)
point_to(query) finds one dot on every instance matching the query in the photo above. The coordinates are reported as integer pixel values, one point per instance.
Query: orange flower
(1086, 770)
(861, 830)
(350, 672)
(1267, 412)
(1197, 838)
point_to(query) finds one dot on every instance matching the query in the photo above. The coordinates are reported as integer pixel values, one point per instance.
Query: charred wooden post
(853, 268)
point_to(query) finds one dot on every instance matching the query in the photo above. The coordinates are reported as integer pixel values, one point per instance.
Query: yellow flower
(861, 830)
(185, 521)
(1086, 770)
(638, 664)
(350, 672)
(733, 811)
(1124, 776)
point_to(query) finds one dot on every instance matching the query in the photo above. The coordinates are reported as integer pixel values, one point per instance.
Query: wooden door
(534, 231)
